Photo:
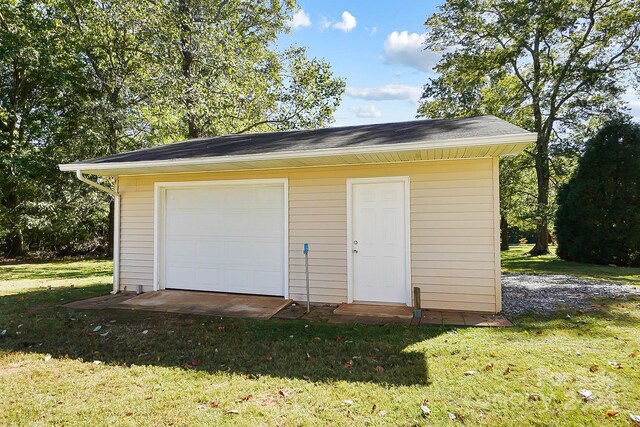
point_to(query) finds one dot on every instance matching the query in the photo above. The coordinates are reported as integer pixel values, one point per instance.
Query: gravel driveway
(523, 293)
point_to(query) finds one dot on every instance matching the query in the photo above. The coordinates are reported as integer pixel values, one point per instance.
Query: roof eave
(521, 139)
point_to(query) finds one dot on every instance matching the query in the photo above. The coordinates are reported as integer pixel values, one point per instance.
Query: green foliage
(85, 78)
(292, 373)
(554, 67)
(598, 219)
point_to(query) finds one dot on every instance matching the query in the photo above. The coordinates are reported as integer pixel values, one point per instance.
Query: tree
(220, 74)
(35, 69)
(598, 218)
(565, 64)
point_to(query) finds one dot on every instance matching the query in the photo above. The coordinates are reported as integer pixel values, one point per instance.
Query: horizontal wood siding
(452, 229)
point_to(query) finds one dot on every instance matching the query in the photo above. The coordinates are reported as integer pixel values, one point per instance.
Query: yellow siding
(453, 226)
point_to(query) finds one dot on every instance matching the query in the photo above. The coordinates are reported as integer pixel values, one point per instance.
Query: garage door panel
(225, 238)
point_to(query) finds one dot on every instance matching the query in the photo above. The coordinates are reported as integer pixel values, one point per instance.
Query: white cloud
(347, 24)
(300, 19)
(390, 92)
(408, 49)
(324, 23)
(366, 111)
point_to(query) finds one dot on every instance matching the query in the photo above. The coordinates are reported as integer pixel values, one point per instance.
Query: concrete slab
(209, 303)
(431, 318)
(463, 318)
(452, 318)
(374, 310)
(101, 302)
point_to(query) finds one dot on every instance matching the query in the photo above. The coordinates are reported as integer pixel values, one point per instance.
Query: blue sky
(376, 46)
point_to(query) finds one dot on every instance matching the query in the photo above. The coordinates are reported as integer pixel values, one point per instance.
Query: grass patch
(518, 260)
(198, 370)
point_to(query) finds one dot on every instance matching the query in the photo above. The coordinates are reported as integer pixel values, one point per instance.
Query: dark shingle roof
(336, 137)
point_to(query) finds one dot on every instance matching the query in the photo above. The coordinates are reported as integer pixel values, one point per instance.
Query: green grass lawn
(517, 260)
(60, 366)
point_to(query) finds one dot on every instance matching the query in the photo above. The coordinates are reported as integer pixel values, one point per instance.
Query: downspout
(116, 226)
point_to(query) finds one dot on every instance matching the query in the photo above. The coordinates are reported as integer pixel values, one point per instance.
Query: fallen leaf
(310, 358)
(382, 413)
(246, 398)
(283, 393)
(506, 371)
(635, 419)
(452, 416)
(158, 358)
(348, 402)
(633, 354)
(340, 339)
(470, 373)
(488, 367)
(128, 414)
(317, 339)
(47, 358)
(533, 396)
(611, 413)
(195, 362)
(306, 377)
(233, 412)
(425, 410)
(105, 334)
(593, 368)
(201, 406)
(587, 395)
(213, 404)
(97, 328)
(348, 364)
(96, 362)
(221, 328)
(145, 332)
(268, 358)
(379, 369)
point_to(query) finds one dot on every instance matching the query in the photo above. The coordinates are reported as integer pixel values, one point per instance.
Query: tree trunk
(504, 233)
(187, 62)
(543, 173)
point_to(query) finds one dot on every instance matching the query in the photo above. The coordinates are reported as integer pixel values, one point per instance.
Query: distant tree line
(88, 78)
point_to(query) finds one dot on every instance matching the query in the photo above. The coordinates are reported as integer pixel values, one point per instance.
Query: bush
(598, 218)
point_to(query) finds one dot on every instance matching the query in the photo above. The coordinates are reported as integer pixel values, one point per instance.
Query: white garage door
(225, 238)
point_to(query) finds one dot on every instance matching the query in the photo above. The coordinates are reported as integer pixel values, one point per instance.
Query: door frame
(159, 213)
(407, 230)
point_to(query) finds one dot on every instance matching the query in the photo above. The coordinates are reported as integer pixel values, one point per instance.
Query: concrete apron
(192, 302)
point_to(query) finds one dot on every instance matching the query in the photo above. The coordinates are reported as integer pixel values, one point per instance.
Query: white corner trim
(283, 155)
(496, 231)
(407, 225)
(159, 211)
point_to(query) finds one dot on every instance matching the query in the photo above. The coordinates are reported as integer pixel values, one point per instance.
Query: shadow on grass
(279, 348)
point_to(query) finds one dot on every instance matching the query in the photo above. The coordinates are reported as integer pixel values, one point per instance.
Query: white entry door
(224, 238)
(379, 241)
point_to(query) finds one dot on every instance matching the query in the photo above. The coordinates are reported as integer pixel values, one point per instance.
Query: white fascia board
(283, 155)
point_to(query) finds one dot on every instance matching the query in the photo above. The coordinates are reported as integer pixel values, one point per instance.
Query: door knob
(355, 242)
